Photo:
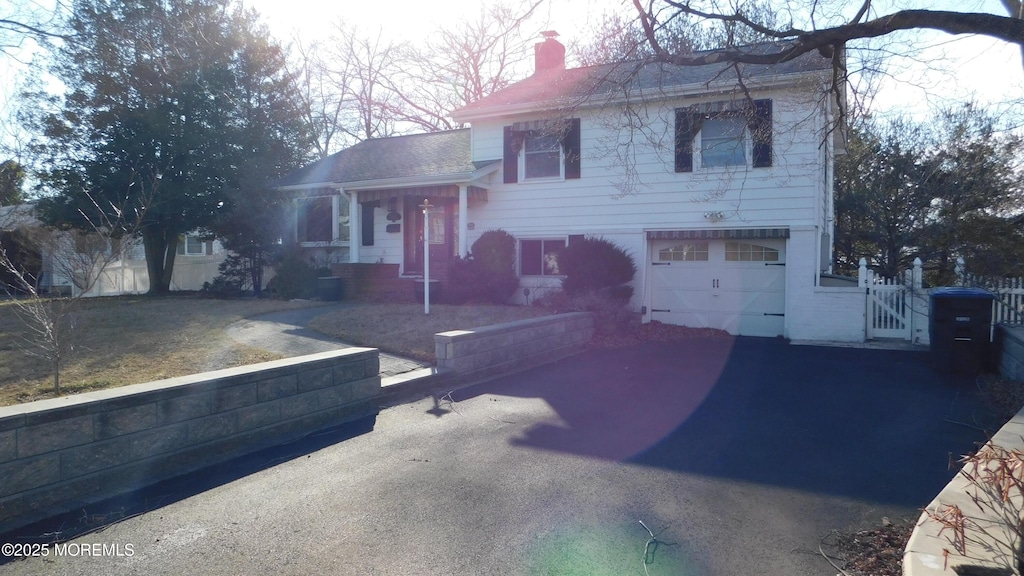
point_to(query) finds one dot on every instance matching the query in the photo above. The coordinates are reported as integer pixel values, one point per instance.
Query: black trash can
(330, 288)
(960, 329)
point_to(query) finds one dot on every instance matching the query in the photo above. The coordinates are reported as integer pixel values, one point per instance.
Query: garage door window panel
(692, 252)
(745, 252)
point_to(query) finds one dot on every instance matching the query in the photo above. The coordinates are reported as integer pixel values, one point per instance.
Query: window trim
(570, 157)
(758, 134)
(337, 202)
(698, 146)
(195, 240)
(522, 161)
(542, 239)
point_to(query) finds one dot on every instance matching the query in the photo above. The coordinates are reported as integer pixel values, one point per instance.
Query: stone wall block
(234, 397)
(275, 388)
(96, 456)
(184, 407)
(318, 378)
(124, 421)
(212, 427)
(26, 474)
(259, 415)
(158, 440)
(8, 445)
(42, 438)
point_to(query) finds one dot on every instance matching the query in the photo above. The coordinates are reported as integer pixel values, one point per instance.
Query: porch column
(354, 239)
(463, 220)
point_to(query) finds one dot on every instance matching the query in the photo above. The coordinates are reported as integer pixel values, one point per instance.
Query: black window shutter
(571, 143)
(366, 225)
(510, 160)
(574, 238)
(761, 131)
(684, 141)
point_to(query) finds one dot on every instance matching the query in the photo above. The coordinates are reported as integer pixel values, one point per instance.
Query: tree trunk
(161, 246)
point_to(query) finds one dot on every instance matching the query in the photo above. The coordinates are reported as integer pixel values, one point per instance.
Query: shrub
(294, 277)
(222, 287)
(487, 274)
(495, 251)
(597, 265)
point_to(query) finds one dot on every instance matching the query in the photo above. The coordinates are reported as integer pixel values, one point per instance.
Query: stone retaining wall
(1010, 343)
(504, 348)
(925, 554)
(57, 455)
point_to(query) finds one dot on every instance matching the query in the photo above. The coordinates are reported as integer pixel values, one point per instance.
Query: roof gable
(416, 155)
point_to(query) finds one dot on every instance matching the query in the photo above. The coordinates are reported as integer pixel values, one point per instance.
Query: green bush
(487, 274)
(294, 277)
(597, 265)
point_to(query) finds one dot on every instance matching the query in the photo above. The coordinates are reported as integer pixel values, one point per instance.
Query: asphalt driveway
(741, 455)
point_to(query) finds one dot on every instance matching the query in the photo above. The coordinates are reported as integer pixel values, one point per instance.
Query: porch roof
(400, 161)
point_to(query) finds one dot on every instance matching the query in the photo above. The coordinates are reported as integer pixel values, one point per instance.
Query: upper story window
(194, 245)
(723, 142)
(542, 157)
(724, 134)
(541, 150)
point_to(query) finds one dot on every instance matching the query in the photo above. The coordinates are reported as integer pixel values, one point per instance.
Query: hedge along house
(718, 184)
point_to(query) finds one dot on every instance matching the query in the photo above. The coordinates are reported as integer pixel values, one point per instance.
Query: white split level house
(720, 188)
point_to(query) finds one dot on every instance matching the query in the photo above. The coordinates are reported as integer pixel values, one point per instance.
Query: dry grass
(131, 339)
(403, 328)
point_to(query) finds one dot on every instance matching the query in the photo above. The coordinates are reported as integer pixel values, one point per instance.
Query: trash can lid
(967, 293)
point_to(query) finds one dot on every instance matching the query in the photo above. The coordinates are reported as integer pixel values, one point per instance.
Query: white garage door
(734, 285)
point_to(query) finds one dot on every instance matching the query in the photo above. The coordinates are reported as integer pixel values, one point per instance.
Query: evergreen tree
(170, 105)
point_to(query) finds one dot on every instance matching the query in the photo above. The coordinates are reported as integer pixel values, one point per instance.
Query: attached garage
(733, 280)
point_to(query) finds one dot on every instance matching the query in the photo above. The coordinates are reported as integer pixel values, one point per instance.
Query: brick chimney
(549, 54)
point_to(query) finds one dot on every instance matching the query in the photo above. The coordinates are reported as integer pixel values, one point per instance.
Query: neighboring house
(67, 262)
(720, 188)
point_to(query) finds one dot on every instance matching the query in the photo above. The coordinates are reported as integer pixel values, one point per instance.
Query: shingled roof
(598, 83)
(416, 155)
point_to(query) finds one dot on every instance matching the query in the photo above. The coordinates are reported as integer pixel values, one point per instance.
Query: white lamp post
(426, 254)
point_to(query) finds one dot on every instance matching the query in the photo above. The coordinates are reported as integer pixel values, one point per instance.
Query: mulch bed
(654, 332)
(872, 552)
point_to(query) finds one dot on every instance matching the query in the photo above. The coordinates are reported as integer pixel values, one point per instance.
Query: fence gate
(889, 310)
(890, 306)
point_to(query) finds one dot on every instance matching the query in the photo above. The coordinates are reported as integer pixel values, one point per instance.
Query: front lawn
(131, 339)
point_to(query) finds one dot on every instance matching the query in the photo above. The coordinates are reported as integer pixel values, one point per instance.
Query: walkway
(285, 333)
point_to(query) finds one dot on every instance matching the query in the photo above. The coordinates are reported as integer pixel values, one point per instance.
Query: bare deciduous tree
(829, 28)
(464, 62)
(80, 257)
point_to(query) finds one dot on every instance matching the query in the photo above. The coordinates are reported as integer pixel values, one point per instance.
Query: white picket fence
(1008, 307)
(899, 307)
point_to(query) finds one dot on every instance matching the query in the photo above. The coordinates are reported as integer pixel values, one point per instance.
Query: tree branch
(1009, 29)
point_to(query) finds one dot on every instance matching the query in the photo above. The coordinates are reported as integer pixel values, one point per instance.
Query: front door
(442, 232)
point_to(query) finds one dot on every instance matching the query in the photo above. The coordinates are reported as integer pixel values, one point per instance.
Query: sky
(948, 71)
